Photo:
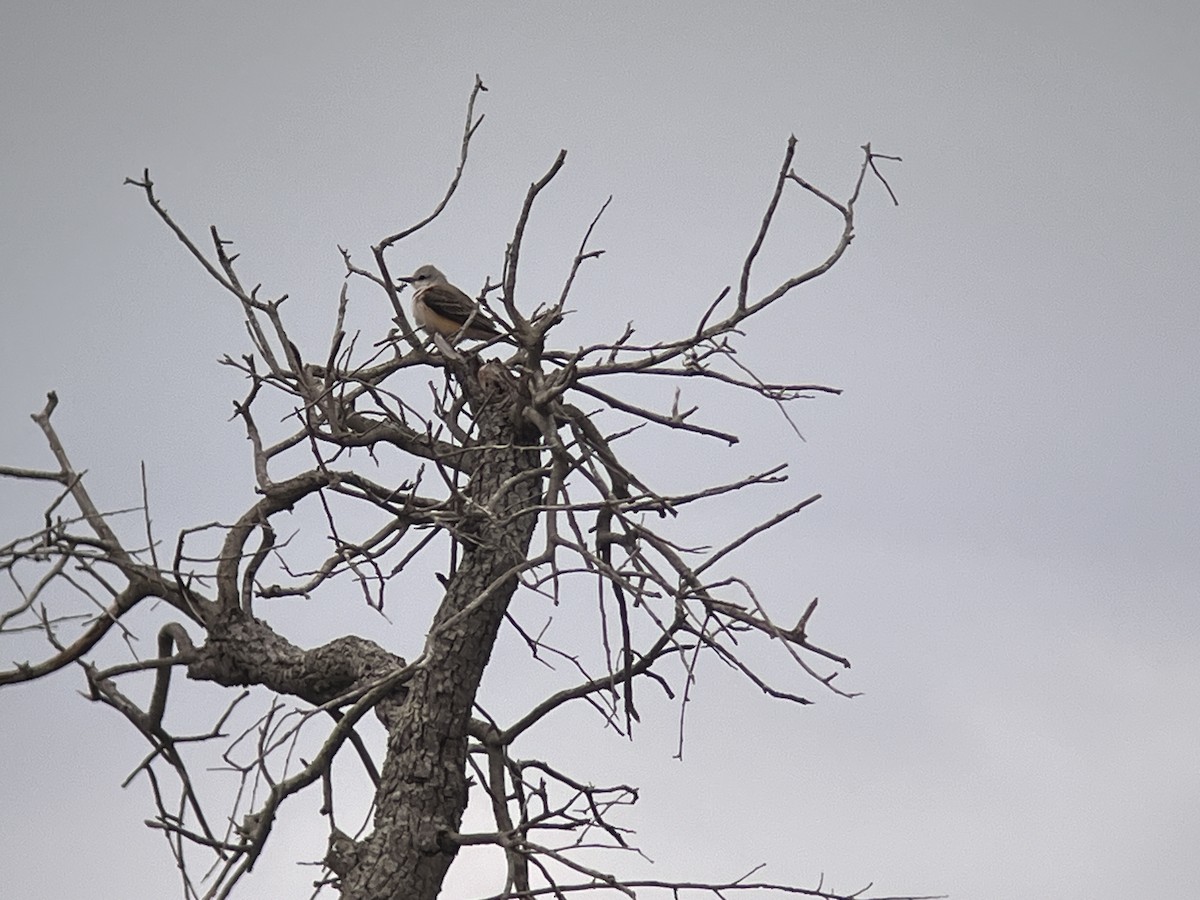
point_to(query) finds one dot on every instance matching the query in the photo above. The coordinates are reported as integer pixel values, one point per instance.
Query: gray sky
(1007, 545)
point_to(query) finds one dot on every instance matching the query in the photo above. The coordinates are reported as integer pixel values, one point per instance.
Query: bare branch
(768, 216)
(512, 255)
(468, 133)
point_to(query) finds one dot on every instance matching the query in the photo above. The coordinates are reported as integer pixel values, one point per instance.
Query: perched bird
(441, 308)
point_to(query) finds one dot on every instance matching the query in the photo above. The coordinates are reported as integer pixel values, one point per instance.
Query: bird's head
(425, 275)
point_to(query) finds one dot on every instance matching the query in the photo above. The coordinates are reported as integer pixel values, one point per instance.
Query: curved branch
(744, 284)
(468, 133)
(122, 603)
(281, 495)
(513, 254)
(605, 682)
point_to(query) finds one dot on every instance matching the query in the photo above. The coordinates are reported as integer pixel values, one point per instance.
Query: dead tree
(504, 473)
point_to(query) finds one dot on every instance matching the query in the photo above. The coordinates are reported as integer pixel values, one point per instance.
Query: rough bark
(423, 789)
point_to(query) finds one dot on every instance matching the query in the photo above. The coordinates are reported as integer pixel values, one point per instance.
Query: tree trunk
(423, 789)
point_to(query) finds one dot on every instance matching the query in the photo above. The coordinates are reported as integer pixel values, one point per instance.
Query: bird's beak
(407, 279)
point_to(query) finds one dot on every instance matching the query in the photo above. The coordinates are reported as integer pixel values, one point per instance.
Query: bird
(441, 308)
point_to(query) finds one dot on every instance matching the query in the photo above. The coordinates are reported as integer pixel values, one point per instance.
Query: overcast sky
(1008, 545)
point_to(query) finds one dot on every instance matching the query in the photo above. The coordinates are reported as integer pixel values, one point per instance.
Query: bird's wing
(451, 303)
(448, 301)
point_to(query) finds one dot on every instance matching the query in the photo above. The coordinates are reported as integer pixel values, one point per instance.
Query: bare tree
(504, 473)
